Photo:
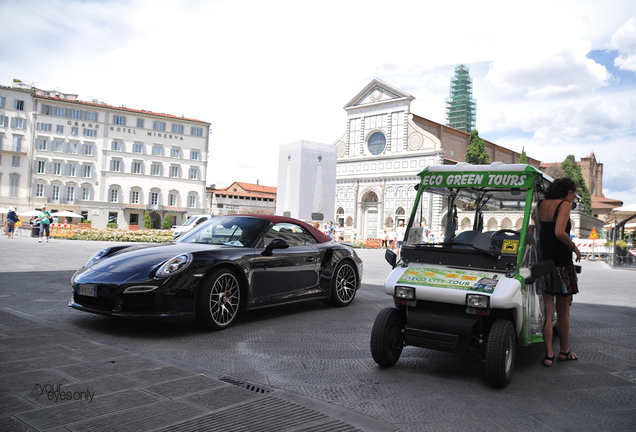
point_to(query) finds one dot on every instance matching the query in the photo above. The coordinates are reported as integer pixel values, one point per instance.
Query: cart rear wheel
(500, 353)
(387, 339)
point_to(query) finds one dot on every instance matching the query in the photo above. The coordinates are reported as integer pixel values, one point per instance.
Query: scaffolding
(461, 108)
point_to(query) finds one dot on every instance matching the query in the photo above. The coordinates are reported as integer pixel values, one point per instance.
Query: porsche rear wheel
(343, 285)
(219, 300)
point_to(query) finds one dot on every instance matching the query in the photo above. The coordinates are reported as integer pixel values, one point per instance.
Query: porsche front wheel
(218, 301)
(343, 285)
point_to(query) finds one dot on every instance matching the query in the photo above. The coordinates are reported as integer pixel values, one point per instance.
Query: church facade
(380, 154)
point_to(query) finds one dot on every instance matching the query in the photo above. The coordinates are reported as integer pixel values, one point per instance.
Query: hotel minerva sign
(127, 130)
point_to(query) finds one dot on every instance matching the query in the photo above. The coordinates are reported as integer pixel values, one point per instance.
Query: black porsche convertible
(224, 266)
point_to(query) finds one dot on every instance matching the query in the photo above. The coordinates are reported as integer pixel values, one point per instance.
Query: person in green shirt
(45, 223)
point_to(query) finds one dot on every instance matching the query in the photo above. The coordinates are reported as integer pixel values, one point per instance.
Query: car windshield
(190, 221)
(227, 230)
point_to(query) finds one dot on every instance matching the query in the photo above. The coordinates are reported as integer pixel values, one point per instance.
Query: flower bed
(121, 235)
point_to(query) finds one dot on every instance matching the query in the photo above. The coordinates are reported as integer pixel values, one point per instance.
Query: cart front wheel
(387, 339)
(500, 353)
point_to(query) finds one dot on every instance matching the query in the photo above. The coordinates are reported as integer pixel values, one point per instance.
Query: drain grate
(246, 385)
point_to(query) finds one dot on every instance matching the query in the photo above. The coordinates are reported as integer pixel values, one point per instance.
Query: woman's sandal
(567, 356)
(547, 359)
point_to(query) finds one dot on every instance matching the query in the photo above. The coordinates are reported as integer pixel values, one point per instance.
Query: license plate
(87, 290)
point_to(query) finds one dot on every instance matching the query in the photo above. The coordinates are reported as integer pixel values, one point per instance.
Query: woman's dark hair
(560, 188)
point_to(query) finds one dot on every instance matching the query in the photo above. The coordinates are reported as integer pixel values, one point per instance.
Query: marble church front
(382, 150)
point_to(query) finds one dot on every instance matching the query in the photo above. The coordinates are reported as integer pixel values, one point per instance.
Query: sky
(553, 77)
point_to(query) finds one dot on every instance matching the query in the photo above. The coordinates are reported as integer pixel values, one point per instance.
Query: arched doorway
(370, 206)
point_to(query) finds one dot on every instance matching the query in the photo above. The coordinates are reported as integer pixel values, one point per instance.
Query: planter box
(83, 226)
(133, 227)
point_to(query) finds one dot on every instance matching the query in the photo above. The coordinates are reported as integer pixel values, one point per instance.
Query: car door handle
(310, 259)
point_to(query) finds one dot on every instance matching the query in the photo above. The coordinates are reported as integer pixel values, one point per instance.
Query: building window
(192, 201)
(177, 128)
(194, 173)
(195, 155)
(197, 131)
(73, 147)
(72, 170)
(134, 197)
(91, 116)
(88, 149)
(14, 187)
(57, 168)
(41, 144)
(115, 165)
(59, 129)
(157, 150)
(39, 190)
(136, 168)
(140, 123)
(18, 123)
(4, 121)
(86, 193)
(174, 171)
(159, 126)
(154, 198)
(15, 161)
(155, 169)
(17, 143)
(377, 143)
(41, 167)
(3, 100)
(58, 146)
(18, 105)
(60, 111)
(86, 171)
(113, 195)
(138, 148)
(76, 114)
(117, 146)
(119, 120)
(74, 130)
(44, 127)
(175, 152)
(172, 199)
(70, 193)
(90, 132)
(55, 192)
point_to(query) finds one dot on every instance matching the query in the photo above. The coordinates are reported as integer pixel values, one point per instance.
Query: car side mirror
(540, 269)
(276, 243)
(390, 257)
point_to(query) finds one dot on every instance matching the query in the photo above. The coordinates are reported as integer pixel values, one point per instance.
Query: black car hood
(141, 258)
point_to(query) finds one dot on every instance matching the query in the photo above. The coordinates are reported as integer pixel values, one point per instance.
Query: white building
(241, 198)
(380, 154)
(110, 164)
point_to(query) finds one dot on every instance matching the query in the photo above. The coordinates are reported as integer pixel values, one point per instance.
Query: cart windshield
(485, 215)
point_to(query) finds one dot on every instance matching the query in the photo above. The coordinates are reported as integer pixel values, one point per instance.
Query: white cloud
(624, 41)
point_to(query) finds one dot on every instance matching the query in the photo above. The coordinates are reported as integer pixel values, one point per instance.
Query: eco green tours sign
(495, 179)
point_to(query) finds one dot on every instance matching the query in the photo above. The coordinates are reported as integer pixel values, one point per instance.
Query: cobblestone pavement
(303, 357)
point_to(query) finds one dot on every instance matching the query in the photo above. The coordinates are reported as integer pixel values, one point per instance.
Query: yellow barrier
(62, 230)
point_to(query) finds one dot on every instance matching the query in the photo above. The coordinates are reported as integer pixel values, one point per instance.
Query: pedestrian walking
(12, 219)
(45, 223)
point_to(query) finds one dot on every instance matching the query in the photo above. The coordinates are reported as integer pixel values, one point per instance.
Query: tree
(523, 159)
(212, 186)
(572, 170)
(476, 151)
(166, 222)
(147, 221)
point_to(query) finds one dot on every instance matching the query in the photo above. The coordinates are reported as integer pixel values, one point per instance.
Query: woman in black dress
(556, 245)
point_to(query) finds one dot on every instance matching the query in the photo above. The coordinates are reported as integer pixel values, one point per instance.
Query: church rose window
(377, 142)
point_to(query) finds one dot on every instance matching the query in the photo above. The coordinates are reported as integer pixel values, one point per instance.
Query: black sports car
(223, 266)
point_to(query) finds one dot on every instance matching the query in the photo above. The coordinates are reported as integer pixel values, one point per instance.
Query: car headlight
(407, 293)
(96, 257)
(174, 265)
(477, 301)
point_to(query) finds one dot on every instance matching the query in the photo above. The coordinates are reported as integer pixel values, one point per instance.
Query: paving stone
(184, 386)
(96, 369)
(159, 375)
(222, 397)
(623, 397)
(608, 420)
(520, 424)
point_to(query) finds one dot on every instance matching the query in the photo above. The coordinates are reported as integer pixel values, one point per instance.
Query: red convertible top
(322, 238)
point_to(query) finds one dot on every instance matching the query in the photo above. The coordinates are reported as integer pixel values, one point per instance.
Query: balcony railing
(154, 207)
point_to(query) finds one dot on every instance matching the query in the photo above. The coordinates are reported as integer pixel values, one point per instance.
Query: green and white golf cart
(473, 290)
